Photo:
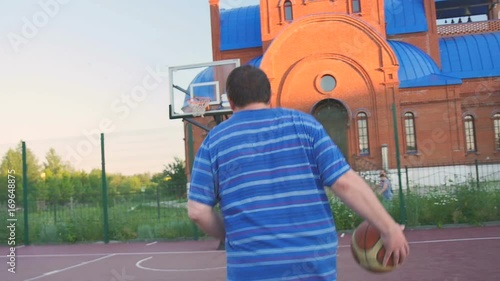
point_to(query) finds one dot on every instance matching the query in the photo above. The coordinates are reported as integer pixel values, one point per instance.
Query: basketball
(368, 250)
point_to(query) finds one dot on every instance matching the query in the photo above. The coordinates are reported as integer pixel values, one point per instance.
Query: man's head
(246, 85)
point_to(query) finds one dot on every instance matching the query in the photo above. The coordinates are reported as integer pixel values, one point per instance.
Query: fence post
(407, 180)
(25, 195)
(158, 200)
(104, 193)
(477, 173)
(398, 161)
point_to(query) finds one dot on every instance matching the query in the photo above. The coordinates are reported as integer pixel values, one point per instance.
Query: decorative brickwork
(468, 28)
(326, 39)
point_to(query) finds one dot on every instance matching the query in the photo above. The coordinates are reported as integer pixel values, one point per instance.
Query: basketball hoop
(199, 105)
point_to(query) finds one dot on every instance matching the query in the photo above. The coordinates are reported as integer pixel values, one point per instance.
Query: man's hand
(395, 245)
(356, 194)
(205, 217)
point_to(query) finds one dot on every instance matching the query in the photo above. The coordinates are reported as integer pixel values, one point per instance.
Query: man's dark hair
(246, 85)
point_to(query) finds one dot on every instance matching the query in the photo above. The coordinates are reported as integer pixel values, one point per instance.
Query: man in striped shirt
(267, 167)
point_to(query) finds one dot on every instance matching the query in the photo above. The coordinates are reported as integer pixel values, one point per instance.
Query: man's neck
(252, 106)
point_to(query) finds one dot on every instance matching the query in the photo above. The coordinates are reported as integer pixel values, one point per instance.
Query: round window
(328, 83)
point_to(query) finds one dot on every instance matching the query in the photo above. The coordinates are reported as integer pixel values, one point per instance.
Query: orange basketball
(368, 250)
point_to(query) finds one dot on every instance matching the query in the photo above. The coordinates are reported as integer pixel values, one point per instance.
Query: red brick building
(347, 62)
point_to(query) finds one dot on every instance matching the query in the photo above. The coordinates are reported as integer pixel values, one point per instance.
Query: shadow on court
(452, 254)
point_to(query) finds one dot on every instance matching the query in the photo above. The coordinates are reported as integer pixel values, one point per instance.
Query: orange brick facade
(326, 37)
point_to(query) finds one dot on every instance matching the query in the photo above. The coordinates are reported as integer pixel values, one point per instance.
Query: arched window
(470, 133)
(363, 138)
(356, 6)
(496, 129)
(410, 133)
(288, 10)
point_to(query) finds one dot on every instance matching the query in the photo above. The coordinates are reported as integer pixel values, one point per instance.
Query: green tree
(172, 180)
(53, 189)
(130, 184)
(13, 160)
(77, 183)
(66, 187)
(54, 163)
(115, 181)
(176, 171)
(84, 192)
(56, 176)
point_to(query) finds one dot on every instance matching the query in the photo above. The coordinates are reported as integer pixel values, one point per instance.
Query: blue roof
(240, 28)
(471, 56)
(405, 16)
(417, 69)
(255, 61)
(205, 75)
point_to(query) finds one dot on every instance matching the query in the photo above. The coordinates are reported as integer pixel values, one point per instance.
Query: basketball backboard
(205, 81)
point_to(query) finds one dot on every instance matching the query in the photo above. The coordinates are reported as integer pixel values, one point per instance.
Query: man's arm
(209, 221)
(356, 194)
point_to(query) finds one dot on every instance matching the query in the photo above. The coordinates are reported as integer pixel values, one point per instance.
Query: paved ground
(454, 254)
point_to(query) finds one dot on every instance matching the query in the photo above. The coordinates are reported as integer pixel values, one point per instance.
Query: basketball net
(199, 105)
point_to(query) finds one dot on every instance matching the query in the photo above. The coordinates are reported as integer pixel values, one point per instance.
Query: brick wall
(352, 48)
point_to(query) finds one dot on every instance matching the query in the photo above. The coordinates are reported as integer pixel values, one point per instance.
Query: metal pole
(398, 161)
(158, 200)
(477, 173)
(191, 160)
(104, 193)
(407, 180)
(25, 195)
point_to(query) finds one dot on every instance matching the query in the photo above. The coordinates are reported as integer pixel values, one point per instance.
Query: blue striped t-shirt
(269, 168)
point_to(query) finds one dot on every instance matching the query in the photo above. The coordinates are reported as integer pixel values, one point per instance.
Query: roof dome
(240, 28)
(255, 61)
(202, 91)
(417, 69)
(471, 56)
(405, 16)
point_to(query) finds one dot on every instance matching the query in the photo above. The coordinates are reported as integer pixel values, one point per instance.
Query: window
(411, 140)
(496, 128)
(328, 83)
(364, 147)
(470, 133)
(288, 11)
(356, 6)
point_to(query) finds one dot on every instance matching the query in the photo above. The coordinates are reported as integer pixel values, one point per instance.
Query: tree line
(54, 182)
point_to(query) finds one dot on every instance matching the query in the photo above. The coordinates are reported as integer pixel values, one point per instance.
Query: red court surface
(451, 254)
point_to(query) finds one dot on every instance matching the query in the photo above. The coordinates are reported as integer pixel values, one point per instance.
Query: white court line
(152, 243)
(446, 240)
(69, 267)
(218, 251)
(116, 254)
(138, 264)
(59, 255)
(454, 240)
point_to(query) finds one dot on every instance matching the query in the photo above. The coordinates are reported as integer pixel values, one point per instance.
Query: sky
(72, 69)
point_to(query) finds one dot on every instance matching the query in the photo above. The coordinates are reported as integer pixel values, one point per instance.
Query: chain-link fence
(75, 206)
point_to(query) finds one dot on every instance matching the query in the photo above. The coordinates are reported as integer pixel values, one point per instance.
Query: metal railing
(468, 28)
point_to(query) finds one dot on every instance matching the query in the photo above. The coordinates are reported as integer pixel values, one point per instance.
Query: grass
(463, 204)
(129, 221)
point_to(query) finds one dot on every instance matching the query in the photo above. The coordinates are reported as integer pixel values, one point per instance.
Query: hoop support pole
(197, 124)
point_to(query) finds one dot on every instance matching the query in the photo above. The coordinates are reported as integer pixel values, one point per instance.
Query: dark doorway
(332, 114)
